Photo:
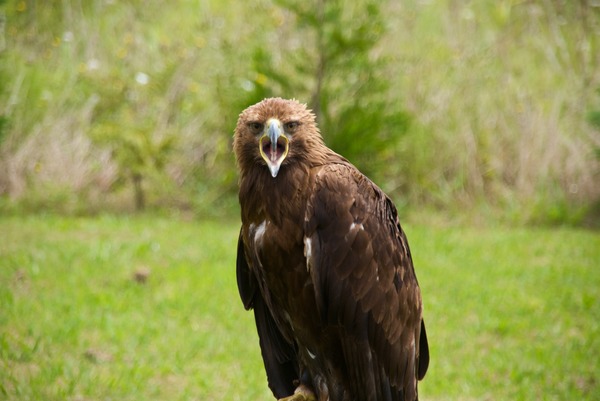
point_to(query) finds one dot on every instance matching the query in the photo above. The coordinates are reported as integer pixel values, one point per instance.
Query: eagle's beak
(273, 146)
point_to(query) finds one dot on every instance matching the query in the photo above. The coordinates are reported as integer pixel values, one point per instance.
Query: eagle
(325, 266)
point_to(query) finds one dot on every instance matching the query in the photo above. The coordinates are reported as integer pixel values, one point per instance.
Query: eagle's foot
(302, 393)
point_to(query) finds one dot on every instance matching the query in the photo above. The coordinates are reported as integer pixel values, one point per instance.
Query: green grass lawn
(512, 314)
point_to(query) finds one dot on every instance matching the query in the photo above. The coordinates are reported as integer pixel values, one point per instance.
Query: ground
(146, 307)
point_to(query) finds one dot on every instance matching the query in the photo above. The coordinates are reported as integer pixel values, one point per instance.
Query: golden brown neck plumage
(260, 192)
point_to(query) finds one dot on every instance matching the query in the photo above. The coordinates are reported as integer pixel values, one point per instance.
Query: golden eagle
(325, 265)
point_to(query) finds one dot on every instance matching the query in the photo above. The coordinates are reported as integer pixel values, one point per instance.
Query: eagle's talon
(302, 393)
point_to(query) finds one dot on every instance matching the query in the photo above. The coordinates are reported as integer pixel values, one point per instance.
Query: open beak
(273, 146)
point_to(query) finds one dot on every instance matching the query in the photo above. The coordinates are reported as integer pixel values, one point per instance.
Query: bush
(479, 106)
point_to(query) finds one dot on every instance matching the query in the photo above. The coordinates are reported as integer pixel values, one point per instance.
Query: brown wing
(278, 355)
(364, 281)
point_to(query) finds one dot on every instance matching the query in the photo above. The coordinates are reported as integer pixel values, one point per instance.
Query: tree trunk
(138, 192)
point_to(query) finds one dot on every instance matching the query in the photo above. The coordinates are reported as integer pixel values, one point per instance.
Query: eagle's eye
(291, 126)
(255, 127)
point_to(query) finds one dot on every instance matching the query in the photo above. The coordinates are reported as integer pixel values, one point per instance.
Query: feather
(323, 261)
(245, 281)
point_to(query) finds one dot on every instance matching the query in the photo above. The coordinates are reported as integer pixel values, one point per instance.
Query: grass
(511, 313)
(75, 323)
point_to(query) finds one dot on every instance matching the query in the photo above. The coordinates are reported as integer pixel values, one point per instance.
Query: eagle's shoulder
(340, 190)
(338, 169)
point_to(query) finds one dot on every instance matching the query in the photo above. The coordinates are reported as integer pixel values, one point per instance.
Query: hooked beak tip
(274, 169)
(276, 149)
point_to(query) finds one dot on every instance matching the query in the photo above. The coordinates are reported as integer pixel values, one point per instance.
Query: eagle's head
(274, 133)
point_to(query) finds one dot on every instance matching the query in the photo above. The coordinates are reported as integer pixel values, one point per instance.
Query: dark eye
(291, 126)
(255, 126)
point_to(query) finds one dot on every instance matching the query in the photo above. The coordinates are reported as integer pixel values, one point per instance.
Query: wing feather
(246, 282)
(279, 356)
(365, 283)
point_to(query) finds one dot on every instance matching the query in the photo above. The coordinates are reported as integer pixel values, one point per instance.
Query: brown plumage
(325, 265)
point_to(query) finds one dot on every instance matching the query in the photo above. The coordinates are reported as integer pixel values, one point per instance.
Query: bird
(325, 266)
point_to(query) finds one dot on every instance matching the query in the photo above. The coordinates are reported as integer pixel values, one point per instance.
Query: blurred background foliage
(487, 106)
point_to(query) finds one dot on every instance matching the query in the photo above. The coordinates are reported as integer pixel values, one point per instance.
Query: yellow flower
(122, 53)
(200, 42)
(261, 79)
(194, 87)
